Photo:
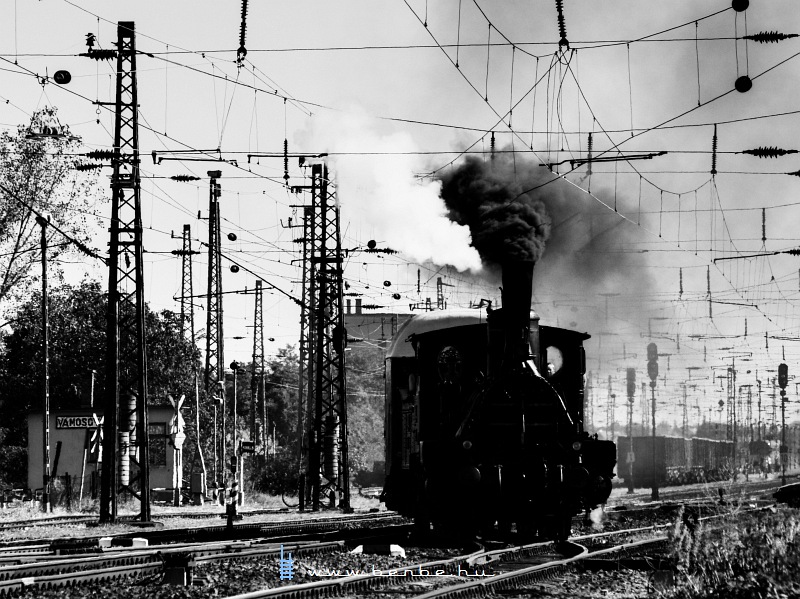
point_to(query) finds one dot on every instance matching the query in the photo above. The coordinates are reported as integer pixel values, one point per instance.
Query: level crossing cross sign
(176, 423)
(95, 443)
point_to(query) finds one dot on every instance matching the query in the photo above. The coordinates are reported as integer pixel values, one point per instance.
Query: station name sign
(75, 422)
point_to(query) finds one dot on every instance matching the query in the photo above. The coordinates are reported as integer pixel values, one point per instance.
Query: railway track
(38, 565)
(475, 574)
(72, 571)
(92, 519)
(17, 552)
(40, 568)
(478, 574)
(240, 530)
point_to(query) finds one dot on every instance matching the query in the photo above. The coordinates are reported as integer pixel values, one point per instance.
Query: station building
(74, 448)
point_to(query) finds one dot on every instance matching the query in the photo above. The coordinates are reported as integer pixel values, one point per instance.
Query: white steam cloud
(380, 191)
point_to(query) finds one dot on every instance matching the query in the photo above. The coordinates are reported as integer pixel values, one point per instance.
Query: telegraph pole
(126, 363)
(783, 380)
(732, 408)
(46, 382)
(631, 373)
(652, 372)
(685, 423)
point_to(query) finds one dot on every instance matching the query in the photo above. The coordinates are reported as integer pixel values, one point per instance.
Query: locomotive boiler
(484, 420)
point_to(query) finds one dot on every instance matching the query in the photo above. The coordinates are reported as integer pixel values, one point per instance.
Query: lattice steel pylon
(257, 399)
(215, 359)
(187, 288)
(188, 331)
(305, 385)
(328, 469)
(126, 363)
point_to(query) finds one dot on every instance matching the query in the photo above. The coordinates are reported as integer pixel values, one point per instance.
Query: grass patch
(750, 555)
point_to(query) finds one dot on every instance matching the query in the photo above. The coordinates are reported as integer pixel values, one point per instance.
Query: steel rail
(83, 519)
(111, 568)
(284, 527)
(200, 552)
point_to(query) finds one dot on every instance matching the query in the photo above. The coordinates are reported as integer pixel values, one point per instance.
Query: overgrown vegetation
(752, 555)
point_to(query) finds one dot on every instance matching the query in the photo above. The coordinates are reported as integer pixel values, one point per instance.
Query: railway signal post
(631, 373)
(652, 372)
(783, 380)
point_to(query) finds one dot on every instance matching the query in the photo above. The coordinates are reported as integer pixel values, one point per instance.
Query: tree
(77, 348)
(37, 173)
(280, 392)
(365, 407)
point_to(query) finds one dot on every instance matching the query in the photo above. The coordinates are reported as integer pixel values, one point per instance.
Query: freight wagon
(676, 461)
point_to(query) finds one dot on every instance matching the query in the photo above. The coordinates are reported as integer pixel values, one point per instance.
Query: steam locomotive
(484, 421)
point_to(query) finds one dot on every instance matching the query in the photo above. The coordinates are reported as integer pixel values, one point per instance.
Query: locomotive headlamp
(577, 446)
(467, 445)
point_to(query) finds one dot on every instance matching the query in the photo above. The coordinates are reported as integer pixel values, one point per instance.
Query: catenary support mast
(215, 359)
(126, 366)
(188, 332)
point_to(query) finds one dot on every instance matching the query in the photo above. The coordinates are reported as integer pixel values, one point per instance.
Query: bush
(277, 475)
(13, 467)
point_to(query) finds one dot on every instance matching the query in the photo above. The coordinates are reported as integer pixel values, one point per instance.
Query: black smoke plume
(518, 210)
(489, 197)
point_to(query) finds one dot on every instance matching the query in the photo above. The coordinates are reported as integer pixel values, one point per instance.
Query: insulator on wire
(88, 167)
(100, 54)
(714, 152)
(286, 161)
(589, 154)
(768, 152)
(680, 282)
(767, 37)
(794, 174)
(184, 178)
(100, 154)
(795, 252)
(242, 51)
(371, 306)
(562, 28)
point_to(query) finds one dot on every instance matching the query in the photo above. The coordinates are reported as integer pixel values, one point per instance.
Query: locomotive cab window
(554, 360)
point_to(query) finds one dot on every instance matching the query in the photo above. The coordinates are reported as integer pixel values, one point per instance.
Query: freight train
(484, 421)
(677, 460)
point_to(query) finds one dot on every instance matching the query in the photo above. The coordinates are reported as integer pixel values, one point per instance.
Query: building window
(158, 443)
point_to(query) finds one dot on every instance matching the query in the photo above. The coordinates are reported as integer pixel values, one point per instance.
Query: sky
(398, 93)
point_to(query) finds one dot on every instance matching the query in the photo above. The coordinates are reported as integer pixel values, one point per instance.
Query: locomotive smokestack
(517, 277)
(509, 326)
